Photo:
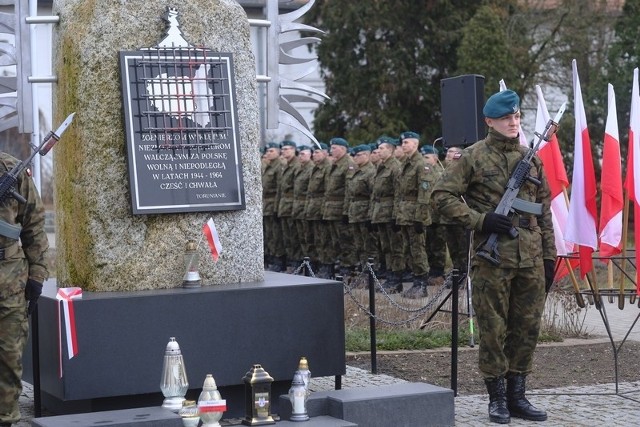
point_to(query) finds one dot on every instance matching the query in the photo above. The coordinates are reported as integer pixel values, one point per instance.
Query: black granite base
(223, 330)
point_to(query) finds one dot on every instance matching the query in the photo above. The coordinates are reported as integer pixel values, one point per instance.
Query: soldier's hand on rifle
(496, 223)
(418, 227)
(32, 292)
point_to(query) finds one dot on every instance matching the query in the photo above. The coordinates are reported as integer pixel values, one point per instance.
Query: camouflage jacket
(411, 201)
(436, 174)
(285, 188)
(358, 192)
(26, 258)
(300, 186)
(270, 176)
(430, 176)
(315, 192)
(334, 206)
(481, 175)
(381, 207)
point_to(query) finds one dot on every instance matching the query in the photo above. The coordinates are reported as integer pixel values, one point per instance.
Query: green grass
(406, 339)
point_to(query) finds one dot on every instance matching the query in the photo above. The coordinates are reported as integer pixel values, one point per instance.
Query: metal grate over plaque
(182, 130)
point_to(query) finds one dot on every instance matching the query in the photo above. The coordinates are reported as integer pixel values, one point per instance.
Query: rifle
(10, 179)
(510, 202)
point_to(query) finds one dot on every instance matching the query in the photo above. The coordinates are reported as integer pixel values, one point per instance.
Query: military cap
(339, 141)
(409, 134)
(429, 149)
(320, 146)
(373, 145)
(386, 140)
(287, 143)
(304, 147)
(500, 104)
(272, 145)
(360, 148)
(263, 150)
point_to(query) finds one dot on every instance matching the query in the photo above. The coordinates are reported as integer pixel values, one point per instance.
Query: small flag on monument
(210, 231)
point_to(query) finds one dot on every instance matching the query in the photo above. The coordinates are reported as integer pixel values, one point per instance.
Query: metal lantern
(305, 373)
(257, 394)
(174, 383)
(191, 262)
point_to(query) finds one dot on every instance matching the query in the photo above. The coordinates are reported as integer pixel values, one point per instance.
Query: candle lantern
(257, 394)
(191, 262)
(189, 414)
(298, 397)
(210, 403)
(305, 373)
(174, 383)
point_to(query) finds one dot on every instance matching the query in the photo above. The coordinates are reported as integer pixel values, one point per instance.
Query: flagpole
(623, 250)
(574, 280)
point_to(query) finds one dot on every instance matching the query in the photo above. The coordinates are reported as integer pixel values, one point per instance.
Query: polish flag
(632, 181)
(553, 164)
(612, 200)
(521, 135)
(210, 231)
(581, 226)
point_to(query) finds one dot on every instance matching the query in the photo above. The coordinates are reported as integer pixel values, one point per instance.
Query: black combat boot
(392, 285)
(498, 412)
(518, 405)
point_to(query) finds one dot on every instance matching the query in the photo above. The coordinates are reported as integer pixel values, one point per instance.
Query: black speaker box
(462, 99)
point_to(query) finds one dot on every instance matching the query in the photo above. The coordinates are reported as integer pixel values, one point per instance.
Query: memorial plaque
(182, 129)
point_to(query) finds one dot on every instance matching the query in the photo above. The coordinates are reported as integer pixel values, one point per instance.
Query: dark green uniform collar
(501, 142)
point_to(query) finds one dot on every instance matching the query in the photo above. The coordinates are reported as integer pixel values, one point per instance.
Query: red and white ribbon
(66, 296)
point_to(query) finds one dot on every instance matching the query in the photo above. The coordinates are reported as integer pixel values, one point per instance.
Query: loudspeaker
(462, 99)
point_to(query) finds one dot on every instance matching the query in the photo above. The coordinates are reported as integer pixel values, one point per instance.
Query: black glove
(395, 227)
(345, 219)
(418, 227)
(549, 270)
(32, 292)
(496, 223)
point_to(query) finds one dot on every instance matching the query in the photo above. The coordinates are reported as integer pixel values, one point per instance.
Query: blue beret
(339, 141)
(272, 145)
(373, 146)
(386, 140)
(304, 147)
(287, 143)
(359, 148)
(502, 103)
(409, 134)
(263, 150)
(322, 146)
(429, 149)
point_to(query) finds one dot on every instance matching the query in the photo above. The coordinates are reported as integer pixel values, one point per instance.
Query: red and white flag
(521, 136)
(581, 225)
(612, 200)
(210, 231)
(553, 164)
(66, 297)
(632, 181)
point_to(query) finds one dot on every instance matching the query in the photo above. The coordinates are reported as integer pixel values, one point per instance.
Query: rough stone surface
(101, 245)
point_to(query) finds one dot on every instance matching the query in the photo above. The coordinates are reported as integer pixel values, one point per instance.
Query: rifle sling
(10, 230)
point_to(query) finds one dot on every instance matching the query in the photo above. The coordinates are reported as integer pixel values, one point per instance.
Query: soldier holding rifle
(509, 280)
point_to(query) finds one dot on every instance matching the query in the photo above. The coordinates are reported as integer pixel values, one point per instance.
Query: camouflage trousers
(273, 235)
(290, 238)
(342, 243)
(365, 243)
(391, 246)
(508, 303)
(14, 330)
(417, 250)
(458, 244)
(321, 249)
(436, 249)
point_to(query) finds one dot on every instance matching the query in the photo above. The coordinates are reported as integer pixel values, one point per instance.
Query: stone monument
(103, 244)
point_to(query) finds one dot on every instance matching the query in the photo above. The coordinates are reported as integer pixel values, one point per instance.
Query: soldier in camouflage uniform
(436, 233)
(335, 210)
(359, 184)
(391, 242)
(508, 298)
(411, 209)
(320, 254)
(300, 185)
(285, 204)
(23, 269)
(270, 225)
